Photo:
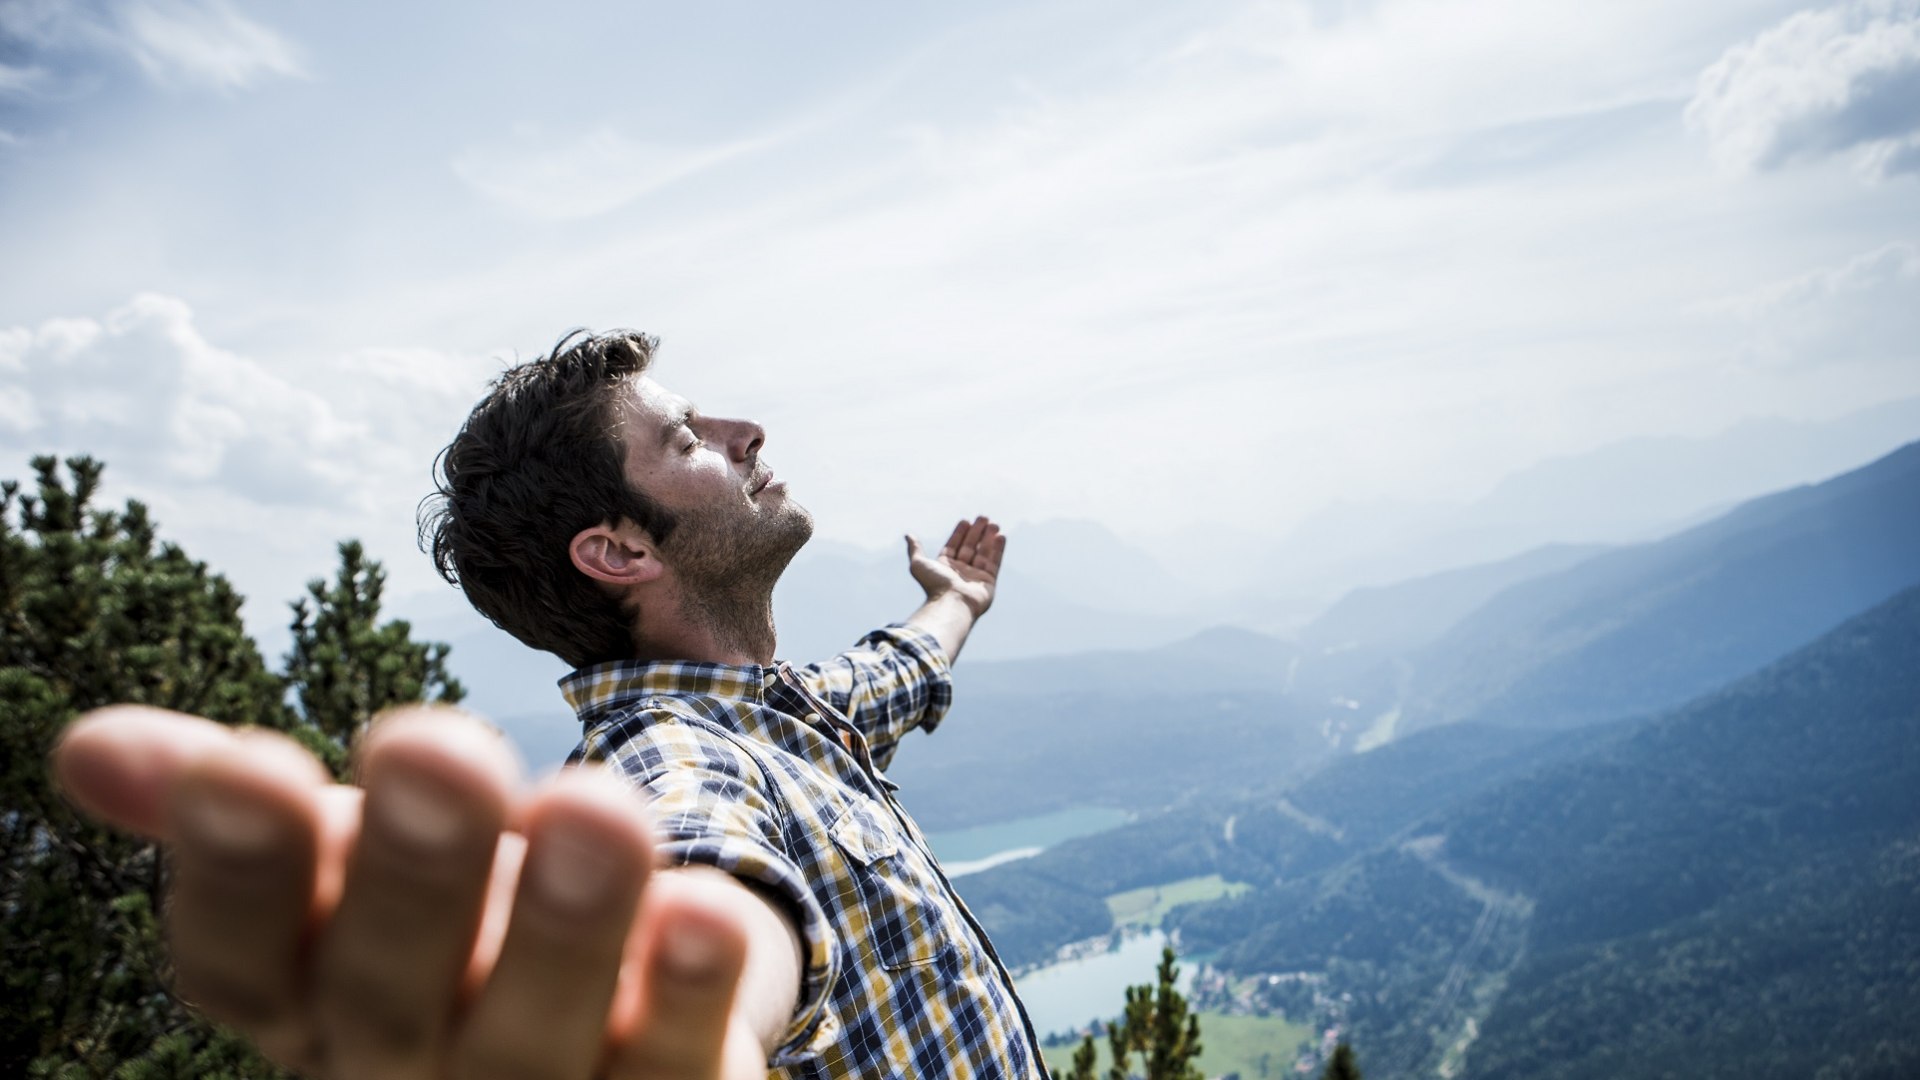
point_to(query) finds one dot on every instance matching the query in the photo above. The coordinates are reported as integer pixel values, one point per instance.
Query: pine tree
(1175, 1041)
(1156, 1026)
(94, 610)
(1341, 1065)
(1084, 1060)
(345, 666)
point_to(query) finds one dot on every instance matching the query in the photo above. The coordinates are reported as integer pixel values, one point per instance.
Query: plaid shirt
(773, 774)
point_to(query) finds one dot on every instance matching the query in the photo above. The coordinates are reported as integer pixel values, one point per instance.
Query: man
(437, 920)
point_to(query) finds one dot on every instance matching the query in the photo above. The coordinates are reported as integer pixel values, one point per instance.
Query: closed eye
(678, 430)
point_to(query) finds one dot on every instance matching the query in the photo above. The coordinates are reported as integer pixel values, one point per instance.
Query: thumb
(913, 547)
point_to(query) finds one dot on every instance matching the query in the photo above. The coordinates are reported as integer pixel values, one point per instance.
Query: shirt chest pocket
(898, 905)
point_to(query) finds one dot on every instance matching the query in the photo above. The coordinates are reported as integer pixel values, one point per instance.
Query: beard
(728, 561)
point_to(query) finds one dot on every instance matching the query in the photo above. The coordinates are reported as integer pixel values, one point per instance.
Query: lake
(971, 850)
(1065, 996)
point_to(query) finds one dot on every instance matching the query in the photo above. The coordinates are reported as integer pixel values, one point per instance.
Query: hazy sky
(1141, 263)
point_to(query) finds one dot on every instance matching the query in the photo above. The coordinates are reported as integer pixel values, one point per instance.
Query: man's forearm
(959, 581)
(948, 618)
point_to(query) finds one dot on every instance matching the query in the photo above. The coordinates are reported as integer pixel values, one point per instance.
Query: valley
(1554, 890)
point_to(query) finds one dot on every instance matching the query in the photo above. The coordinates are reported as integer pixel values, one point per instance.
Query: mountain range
(1554, 638)
(1651, 625)
(1620, 493)
(1625, 854)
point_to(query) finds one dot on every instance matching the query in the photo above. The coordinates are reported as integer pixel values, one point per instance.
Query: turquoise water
(1065, 996)
(1042, 831)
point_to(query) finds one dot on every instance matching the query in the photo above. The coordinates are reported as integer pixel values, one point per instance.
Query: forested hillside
(1726, 890)
(1743, 868)
(1283, 833)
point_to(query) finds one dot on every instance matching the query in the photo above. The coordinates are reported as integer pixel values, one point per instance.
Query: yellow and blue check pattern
(773, 773)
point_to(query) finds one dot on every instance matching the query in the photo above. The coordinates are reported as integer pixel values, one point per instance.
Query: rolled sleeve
(896, 679)
(711, 805)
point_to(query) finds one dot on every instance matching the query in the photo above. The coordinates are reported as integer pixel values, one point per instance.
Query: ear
(621, 554)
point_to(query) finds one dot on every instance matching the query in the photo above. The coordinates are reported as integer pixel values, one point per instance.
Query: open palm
(968, 566)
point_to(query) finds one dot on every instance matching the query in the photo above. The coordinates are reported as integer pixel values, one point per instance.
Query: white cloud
(1839, 80)
(600, 171)
(143, 389)
(204, 41)
(146, 391)
(257, 465)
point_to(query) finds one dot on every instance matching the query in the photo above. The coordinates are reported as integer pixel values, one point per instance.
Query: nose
(744, 439)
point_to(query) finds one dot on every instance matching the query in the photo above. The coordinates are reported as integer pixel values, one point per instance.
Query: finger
(984, 540)
(693, 951)
(952, 547)
(390, 966)
(913, 548)
(119, 764)
(543, 1011)
(246, 826)
(995, 550)
(970, 543)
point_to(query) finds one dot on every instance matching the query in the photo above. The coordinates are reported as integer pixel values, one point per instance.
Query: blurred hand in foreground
(440, 918)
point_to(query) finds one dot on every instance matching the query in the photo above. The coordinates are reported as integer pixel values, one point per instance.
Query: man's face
(736, 522)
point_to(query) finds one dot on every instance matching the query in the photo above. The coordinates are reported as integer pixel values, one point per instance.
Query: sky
(1216, 263)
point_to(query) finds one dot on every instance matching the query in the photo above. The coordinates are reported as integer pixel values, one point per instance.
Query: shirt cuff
(925, 650)
(754, 863)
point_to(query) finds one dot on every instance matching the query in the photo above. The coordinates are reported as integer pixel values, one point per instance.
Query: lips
(760, 483)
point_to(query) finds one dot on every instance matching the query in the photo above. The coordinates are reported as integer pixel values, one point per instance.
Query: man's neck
(714, 626)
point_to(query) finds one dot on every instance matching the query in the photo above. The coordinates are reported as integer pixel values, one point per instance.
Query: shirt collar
(599, 688)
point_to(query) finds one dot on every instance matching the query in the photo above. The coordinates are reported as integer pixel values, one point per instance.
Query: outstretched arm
(438, 919)
(959, 581)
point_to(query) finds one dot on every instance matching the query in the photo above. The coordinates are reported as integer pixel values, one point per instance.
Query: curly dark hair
(539, 459)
